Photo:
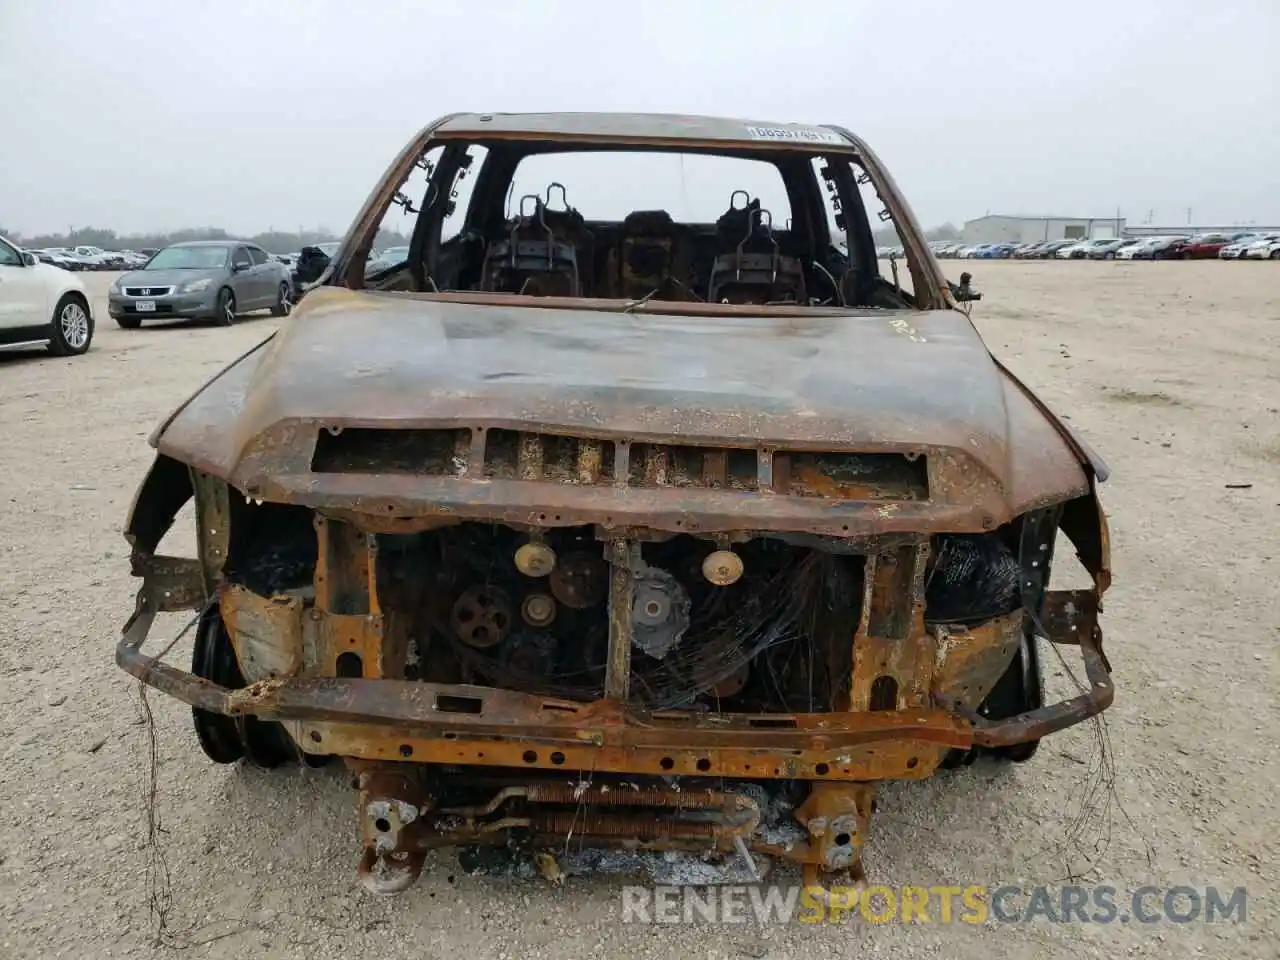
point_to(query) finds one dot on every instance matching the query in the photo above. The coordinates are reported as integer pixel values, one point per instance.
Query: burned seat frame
(756, 271)
(540, 256)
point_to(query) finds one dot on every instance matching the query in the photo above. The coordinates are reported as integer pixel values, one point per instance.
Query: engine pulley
(580, 580)
(481, 616)
(659, 612)
(722, 567)
(535, 559)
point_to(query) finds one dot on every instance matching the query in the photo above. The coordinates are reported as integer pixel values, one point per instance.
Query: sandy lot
(1170, 370)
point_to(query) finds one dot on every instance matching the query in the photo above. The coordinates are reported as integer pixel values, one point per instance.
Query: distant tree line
(273, 241)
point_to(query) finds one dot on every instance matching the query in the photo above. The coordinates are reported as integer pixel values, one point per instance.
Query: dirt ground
(1169, 369)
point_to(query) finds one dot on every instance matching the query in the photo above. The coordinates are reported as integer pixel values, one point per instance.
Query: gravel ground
(1170, 371)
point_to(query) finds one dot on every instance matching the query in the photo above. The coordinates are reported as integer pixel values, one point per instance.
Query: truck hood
(828, 380)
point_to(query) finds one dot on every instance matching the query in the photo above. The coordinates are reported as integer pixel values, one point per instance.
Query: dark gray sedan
(207, 279)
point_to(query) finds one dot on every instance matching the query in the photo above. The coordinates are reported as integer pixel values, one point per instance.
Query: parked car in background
(998, 251)
(1050, 249)
(98, 259)
(1265, 249)
(69, 260)
(311, 263)
(1135, 251)
(388, 258)
(1109, 250)
(131, 260)
(1083, 248)
(206, 279)
(41, 304)
(1205, 246)
(1236, 248)
(1162, 248)
(58, 259)
(1030, 251)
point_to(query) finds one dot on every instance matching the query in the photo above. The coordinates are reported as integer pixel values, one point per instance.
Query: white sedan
(1236, 248)
(41, 305)
(1268, 249)
(1137, 251)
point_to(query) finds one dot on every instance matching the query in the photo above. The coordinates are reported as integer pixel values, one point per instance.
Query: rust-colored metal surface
(266, 632)
(440, 365)
(836, 817)
(652, 573)
(969, 660)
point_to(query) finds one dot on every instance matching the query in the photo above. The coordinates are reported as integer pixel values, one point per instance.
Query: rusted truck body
(626, 532)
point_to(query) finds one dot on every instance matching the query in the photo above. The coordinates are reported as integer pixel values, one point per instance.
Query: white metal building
(995, 228)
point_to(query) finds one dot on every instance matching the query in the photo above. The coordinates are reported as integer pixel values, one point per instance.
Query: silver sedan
(208, 279)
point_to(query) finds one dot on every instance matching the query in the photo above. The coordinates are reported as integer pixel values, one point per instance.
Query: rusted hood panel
(867, 380)
(883, 378)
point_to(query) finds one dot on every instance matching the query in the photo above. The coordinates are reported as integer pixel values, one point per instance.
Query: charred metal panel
(856, 476)
(623, 558)
(213, 519)
(656, 377)
(357, 450)
(518, 455)
(893, 656)
(970, 660)
(265, 631)
(344, 568)
(825, 753)
(653, 510)
(165, 491)
(1069, 614)
(171, 583)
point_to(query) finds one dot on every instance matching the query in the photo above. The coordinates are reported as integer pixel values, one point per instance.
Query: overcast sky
(142, 115)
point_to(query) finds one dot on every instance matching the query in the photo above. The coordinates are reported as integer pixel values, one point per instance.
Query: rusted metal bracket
(173, 583)
(1036, 724)
(213, 526)
(893, 655)
(1068, 615)
(837, 816)
(624, 557)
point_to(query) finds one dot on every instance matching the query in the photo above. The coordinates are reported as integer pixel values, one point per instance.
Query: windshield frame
(929, 290)
(226, 254)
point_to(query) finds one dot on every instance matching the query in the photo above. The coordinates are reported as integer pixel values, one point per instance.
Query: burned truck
(643, 509)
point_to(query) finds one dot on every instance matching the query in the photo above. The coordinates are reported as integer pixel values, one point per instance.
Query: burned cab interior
(529, 218)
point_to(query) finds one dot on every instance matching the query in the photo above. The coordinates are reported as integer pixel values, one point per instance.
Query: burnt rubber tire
(1019, 689)
(128, 323)
(264, 743)
(284, 302)
(72, 326)
(225, 312)
(1275, 255)
(213, 659)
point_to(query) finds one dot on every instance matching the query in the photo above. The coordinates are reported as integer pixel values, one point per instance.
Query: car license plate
(146, 306)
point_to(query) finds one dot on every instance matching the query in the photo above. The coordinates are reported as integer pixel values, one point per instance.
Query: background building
(995, 228)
